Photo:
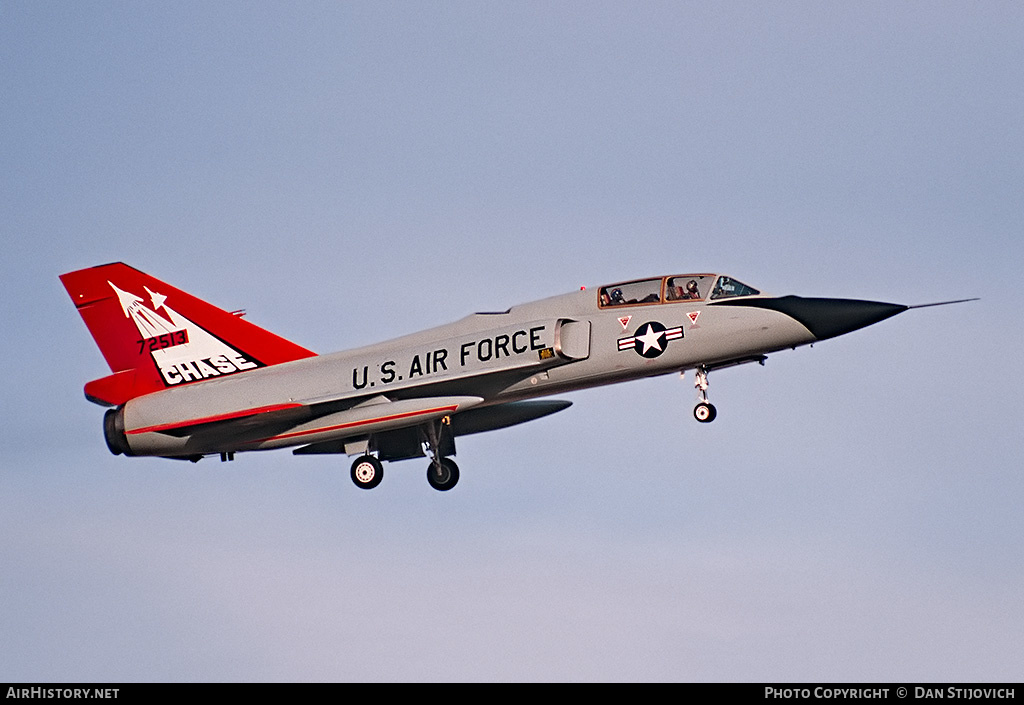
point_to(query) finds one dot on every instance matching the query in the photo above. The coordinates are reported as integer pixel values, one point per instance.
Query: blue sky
(353, 171)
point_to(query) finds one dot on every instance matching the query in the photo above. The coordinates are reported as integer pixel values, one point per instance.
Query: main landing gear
(705, 411)
(367, 472)
(442, 473)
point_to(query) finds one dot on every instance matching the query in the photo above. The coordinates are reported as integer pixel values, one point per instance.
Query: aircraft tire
(446, 478)
(367, 472)
(705, 412)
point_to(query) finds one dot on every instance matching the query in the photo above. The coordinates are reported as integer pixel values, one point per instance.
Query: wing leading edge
(468, 421)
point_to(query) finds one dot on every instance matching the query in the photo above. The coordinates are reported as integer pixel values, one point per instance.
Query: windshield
(726, 287)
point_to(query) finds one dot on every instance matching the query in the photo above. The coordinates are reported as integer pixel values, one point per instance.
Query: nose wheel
(705, 411)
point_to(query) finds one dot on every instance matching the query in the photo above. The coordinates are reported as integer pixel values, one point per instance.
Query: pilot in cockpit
(680, 293)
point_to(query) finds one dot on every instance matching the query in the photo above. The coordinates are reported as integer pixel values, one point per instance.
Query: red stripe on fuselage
(212, 419)
(364, 422)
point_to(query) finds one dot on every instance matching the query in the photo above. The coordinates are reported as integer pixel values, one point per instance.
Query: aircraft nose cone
(827, 318)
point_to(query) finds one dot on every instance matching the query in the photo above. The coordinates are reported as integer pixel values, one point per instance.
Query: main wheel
(443, 474)
(705, 412)
(367, 472)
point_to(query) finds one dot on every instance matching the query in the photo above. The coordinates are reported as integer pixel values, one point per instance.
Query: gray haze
(353, 171)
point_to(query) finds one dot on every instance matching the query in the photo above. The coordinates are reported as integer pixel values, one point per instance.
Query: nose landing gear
(705, 411)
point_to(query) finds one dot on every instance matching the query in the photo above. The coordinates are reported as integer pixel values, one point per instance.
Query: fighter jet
(191, 380)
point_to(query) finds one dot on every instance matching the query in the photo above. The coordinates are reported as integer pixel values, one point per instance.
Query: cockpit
(681, 287)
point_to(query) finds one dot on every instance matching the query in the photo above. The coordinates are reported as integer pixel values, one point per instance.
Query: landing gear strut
(705, 411)
(443, 473)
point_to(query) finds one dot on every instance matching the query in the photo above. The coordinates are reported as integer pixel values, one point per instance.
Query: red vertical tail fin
(155, 336)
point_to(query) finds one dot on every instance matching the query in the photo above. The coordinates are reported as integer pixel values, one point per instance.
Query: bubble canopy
(674, 287)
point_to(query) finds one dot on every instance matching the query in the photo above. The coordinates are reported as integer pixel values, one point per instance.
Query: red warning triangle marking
(625, 321)
(693, 316)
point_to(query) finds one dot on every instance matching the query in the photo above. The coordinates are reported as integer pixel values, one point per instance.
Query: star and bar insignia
(651, 339)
